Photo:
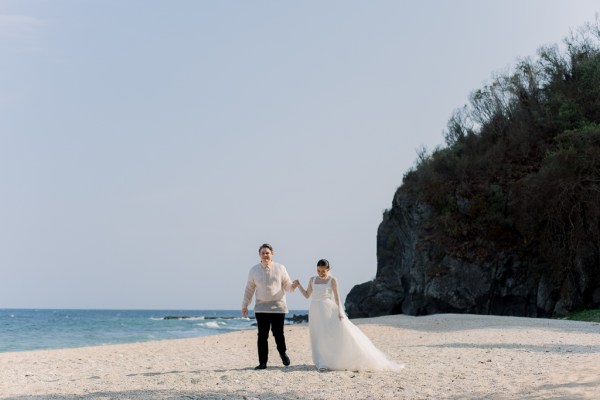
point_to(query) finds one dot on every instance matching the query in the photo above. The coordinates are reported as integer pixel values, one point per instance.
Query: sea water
(36, 329)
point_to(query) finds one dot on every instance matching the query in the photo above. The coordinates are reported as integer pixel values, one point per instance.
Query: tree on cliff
(525, 155)
(520, 174)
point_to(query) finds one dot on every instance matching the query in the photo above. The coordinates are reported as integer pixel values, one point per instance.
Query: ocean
(39, 329)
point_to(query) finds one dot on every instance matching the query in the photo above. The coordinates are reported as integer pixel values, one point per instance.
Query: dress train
(339, 344)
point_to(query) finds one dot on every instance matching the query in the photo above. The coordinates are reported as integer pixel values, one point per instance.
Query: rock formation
(417, 276)
(505, 219)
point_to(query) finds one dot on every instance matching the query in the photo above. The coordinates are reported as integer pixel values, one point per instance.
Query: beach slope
(447, 357)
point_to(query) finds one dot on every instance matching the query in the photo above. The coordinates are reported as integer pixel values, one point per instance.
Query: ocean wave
(212, 324)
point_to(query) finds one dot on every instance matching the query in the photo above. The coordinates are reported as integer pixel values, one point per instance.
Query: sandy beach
(447, 357)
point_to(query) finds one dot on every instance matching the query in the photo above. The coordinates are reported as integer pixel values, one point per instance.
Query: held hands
(304, 292)
(296, 284)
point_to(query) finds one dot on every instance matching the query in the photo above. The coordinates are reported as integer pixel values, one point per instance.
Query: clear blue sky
(147, 148)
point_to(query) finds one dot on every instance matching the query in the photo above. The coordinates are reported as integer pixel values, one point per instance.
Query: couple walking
(337, 344)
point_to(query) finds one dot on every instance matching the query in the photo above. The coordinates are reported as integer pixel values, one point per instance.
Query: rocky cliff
(505, 219)
(416, 276)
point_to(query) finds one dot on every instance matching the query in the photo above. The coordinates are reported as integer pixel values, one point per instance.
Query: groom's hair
(267, 246)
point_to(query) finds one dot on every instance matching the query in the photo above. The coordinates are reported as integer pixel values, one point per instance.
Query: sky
(148, 148)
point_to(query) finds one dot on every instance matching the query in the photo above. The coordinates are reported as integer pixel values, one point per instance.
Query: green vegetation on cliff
(585, 315)
(520, 171)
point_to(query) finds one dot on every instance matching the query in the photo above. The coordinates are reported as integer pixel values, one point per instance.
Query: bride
(337, 344)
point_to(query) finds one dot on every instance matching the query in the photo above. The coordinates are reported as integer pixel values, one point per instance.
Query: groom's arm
(248, 293)
(286, 282)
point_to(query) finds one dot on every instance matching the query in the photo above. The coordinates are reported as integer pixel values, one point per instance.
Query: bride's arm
(306, 293)
(336, 296)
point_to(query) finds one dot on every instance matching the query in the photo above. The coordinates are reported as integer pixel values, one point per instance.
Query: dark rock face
(416, 276)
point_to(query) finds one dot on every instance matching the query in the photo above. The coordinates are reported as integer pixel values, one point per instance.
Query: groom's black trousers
(274, 322)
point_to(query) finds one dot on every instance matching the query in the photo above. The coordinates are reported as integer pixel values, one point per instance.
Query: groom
(269, 281)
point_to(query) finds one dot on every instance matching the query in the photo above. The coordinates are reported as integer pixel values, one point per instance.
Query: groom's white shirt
(269, 284)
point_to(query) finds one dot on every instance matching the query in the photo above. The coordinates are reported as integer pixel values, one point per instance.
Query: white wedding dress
(339, 344)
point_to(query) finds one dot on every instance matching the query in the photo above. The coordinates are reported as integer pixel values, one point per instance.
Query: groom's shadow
(291, 368)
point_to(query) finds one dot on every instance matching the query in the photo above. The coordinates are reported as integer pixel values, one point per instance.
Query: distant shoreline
(232, 310)
(45, 329)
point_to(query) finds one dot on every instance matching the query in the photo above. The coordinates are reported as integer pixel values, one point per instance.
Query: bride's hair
(323, 263)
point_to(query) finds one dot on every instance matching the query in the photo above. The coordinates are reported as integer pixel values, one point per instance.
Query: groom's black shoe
(285, 359)
(261, 366)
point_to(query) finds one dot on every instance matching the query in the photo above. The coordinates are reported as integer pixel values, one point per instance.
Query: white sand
(446, 356)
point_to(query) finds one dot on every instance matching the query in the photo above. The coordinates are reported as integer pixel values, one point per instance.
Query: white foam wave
(212, 324)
